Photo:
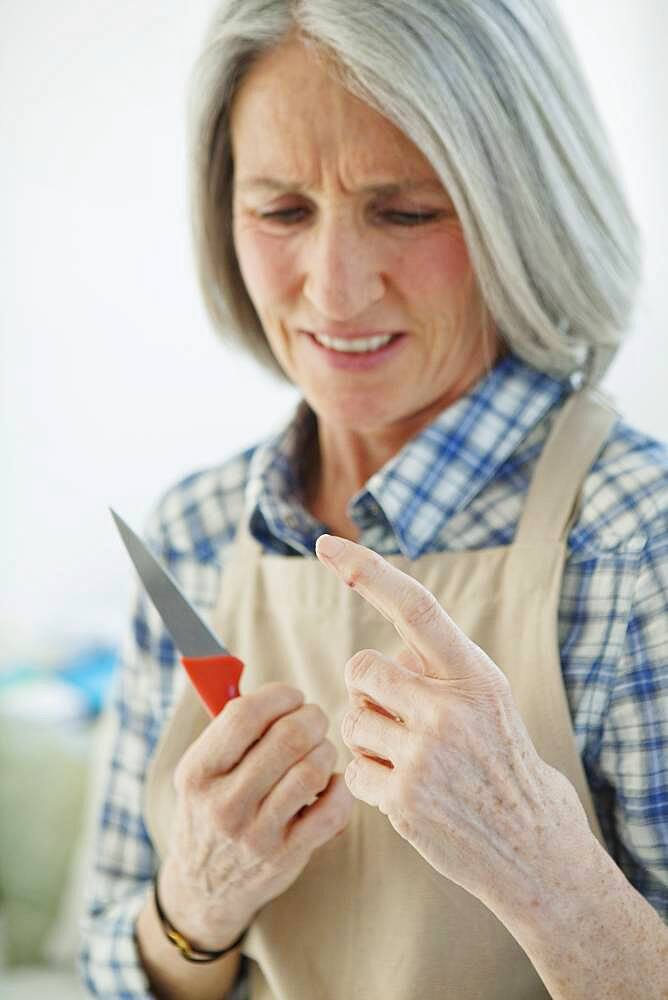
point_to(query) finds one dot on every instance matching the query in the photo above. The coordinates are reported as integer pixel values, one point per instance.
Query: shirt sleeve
(633, 759)
(124, 859)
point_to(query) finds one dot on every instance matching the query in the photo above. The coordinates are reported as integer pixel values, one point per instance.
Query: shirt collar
(433, 477)
(273, 489)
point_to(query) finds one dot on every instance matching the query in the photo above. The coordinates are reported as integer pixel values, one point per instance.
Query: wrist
(189, 951)
(594, 935)
(206, 924)
(554, 865)
(560, 893)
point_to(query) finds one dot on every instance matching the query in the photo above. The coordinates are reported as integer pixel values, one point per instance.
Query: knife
(214, 672)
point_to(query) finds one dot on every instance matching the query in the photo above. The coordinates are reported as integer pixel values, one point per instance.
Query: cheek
(266, 266)
(437, 268)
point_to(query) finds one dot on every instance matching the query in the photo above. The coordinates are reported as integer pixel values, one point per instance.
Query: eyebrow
(274, 184)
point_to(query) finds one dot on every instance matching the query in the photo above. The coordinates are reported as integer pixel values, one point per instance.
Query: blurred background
(114, 384)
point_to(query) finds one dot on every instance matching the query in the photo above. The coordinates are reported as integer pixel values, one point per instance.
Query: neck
(339, 460)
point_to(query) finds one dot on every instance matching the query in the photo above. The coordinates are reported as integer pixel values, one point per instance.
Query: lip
(352, 334)
(350, 361)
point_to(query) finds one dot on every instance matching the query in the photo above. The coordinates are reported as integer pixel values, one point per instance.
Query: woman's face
(331, 253)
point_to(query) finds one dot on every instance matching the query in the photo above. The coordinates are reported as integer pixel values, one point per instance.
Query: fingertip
(329, 547)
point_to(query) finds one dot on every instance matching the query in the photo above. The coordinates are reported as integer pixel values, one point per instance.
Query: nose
(343, 275)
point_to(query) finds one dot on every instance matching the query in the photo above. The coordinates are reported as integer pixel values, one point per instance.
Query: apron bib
(369, 918)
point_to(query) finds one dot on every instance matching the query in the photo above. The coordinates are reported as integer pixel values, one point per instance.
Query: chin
(358, 415)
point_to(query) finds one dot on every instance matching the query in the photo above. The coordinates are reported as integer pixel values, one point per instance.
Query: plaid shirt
(459, 484)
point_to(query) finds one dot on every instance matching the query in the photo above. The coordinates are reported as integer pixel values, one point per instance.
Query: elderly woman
(446, 772)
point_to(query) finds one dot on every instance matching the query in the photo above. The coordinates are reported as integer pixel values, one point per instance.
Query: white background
(113, 382)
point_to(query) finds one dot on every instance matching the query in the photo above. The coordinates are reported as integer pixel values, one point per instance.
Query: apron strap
(580, 430)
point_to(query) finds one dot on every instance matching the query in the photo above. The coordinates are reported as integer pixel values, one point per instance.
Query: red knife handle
(216, 679)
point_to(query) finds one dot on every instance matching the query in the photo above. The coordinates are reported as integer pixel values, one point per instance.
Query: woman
(453, 785)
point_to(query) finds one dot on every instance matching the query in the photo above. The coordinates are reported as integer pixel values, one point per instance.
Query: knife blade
(214, 672)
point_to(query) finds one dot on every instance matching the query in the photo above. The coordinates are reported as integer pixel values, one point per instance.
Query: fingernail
(329, 546)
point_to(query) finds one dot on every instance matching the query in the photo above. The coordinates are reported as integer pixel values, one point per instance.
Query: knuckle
(494, 699)
(326, 754)
(236, 707)
(316, 717)
(352, 771)
(329, 752)
(237, 713)
(359, 665)
(422, 609)
(288, 697)
(280, 687)
(311, 777)
(349, 724)
(292, 738)
(187, 778)
(503, 685)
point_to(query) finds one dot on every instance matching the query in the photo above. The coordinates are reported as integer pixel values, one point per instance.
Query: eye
(287, 217)
(412, 218)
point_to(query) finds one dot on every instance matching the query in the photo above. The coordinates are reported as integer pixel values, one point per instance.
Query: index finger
(423, 624)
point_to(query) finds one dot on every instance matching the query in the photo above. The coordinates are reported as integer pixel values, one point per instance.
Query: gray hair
(492, 94)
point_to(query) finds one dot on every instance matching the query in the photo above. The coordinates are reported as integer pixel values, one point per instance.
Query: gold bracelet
(179, 941)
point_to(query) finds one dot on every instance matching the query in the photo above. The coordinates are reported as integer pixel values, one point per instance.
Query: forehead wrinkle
(395, 187)
(312, 130)
(302, 150)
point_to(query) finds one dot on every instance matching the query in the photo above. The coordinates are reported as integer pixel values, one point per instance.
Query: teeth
(359, 346)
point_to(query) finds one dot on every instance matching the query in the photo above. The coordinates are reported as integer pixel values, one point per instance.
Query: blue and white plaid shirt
(459, 484)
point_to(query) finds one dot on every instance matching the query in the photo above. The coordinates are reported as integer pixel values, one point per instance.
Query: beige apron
(368, 918)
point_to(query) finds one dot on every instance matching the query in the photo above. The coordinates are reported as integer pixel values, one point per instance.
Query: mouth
(354, 345)
(356, 354)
